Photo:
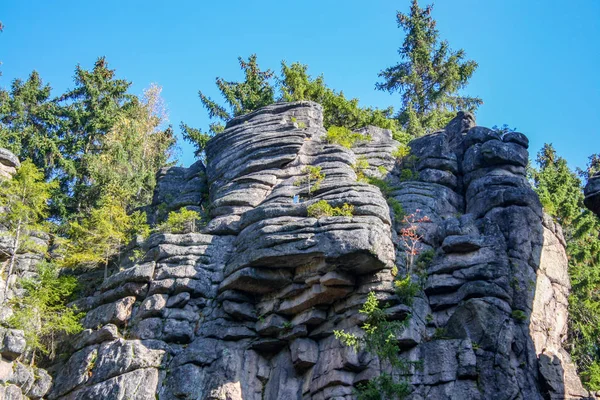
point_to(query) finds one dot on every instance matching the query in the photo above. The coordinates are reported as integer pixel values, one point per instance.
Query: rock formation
(592, 194)
(246, 309)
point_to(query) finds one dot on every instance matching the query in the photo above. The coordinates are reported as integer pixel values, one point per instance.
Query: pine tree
(100, 236)
(254, 92)
(295, 85)
(133, 151)
(42, 312)
(88, 113)
(429, 75)
(29, 123)
(24, 203)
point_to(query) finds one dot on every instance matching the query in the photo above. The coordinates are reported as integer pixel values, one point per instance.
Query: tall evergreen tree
(88, 113)
(255, 91)
(29, 123)
(136, 147)
(24, 204)
(428, 76)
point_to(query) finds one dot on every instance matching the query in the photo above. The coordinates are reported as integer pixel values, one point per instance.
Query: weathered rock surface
(246, 309)
(592, 194)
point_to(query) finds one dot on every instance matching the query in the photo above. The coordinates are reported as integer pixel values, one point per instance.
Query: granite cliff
(246, 308)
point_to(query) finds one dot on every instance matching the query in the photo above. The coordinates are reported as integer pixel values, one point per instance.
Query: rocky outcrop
(246, 309)
(592, 194)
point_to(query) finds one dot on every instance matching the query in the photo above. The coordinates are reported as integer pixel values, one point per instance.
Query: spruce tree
(88, 113)
(24, 204)
(296, 84)
(41, 312)
(428, 76)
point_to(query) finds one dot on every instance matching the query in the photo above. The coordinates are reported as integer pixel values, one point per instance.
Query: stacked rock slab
(247, 308)
(17, 380)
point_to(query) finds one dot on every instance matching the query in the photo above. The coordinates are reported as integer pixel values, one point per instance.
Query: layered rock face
(246, 309)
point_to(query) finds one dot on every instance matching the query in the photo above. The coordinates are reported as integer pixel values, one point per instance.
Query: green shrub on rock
(182, 221)
(322, 209)
(344, 136)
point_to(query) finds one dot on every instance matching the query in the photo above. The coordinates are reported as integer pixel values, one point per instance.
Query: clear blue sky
(538, 59)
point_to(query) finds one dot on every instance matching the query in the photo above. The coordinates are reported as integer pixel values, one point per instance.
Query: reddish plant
(409, 237)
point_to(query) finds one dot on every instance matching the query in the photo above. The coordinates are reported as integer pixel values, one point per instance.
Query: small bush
(182, 221)
(424, 260)
(382, 170)
(312, 178)
(344, 136)
(361, 165)
(519, 315)
(385, 187)
(401, 152)
(397, 209)
(402, 137)
(406, 290)
(322, 209)
(407, 174)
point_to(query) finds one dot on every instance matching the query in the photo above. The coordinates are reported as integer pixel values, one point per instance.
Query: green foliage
(313, 177)
(519, 315)
(591, 376)
(296, 84)
(401, 151)
(182, 221)
(397, 209)
(382, 387)
(322, 209)
(96, 134)
(254, 92)
(561, 193)
(24, 206)
(428, 76)
(29, 123)
(42, 312)
(344, 136)
(407, 174)
(440, 334)
(95, 239)
(385, 187)
(378, 338)
(424, 259)
(406, 289)
(360, 167)
(133, 150)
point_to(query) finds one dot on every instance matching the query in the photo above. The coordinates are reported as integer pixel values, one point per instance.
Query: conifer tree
(428, 76)
(42, 312)
(295, 85)
(88, 113)
(133, 151)
(24, 204)
(29, 123)
(97, 238)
